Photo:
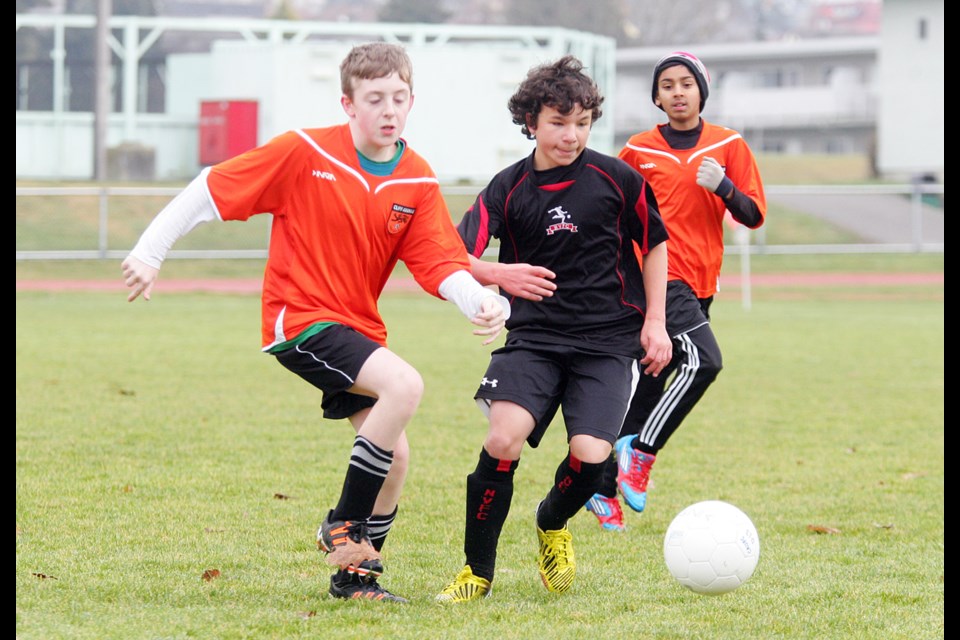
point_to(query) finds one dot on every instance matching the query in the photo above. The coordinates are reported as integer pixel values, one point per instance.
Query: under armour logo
(492, 383)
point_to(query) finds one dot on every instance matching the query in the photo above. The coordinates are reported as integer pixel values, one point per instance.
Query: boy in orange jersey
(348, 201)
(698, 171)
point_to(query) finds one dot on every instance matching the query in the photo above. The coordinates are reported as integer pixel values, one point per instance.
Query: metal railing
(894, 218)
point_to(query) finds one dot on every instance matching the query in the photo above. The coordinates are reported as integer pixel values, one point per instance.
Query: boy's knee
(590, 449)
(710, 364)
(711, 370)
(706, 375)
(404, 391)
(503, 446)
(411, 384)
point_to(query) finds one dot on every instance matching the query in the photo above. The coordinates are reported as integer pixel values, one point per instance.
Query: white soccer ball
(711, 547)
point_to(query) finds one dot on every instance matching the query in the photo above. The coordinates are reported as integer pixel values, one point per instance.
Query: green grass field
(155, 443)
(71, 223)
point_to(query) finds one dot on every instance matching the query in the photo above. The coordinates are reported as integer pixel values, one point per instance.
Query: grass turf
(155, 444)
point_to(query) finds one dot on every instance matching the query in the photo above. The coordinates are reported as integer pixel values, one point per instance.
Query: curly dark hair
(561, 85)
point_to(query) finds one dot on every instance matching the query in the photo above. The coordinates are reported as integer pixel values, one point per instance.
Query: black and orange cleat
(350, 586)
(349, 547)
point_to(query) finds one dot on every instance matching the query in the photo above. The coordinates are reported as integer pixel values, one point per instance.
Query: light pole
(101, 106)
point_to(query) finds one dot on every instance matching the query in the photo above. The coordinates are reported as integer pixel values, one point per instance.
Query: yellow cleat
(557, 564)
(465, 587)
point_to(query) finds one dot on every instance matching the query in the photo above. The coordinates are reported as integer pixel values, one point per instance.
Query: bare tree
(429, 11)
(652, 22)
(665, 22)
(24, 6)
(669, 22)
(604, 17)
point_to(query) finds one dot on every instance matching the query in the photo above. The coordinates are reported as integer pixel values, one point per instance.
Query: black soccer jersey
(579, 221)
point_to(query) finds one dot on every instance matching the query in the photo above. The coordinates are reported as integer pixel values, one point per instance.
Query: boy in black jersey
(576, 213)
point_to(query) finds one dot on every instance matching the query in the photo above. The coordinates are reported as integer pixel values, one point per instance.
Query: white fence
(883, 218)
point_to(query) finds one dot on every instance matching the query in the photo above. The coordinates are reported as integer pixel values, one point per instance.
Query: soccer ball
(711, 547)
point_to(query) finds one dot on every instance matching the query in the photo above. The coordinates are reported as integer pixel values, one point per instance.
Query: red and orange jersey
(337, 230)
(694, 216)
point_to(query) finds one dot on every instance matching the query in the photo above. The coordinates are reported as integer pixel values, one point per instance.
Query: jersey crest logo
(400, 217)
(563, 225)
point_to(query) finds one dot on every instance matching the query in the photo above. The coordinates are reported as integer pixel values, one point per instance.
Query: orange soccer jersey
(694, 216)
(337, 231)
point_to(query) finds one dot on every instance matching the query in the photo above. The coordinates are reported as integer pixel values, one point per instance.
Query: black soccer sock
(368, 468)
(379, 526)
(489, 493)
(643, 446)
(608, 479)
(575, 482)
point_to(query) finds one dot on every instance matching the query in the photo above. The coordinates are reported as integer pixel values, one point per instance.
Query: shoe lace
(464, 578)
(640, 469)
(357, 531)
(558, 546)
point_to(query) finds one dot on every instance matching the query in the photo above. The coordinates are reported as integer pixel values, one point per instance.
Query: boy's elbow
(757, 222)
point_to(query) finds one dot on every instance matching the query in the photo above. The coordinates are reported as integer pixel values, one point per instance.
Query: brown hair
(374, 60)
(561, 85)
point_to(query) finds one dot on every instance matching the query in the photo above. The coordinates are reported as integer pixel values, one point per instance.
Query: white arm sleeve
(464, 291)
(191, 207)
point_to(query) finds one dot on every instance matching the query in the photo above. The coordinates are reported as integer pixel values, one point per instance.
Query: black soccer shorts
(331, 360)
(591, 389)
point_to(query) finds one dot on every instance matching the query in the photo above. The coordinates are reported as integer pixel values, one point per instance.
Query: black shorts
(685, 311)
(592, 389)
(331, 360)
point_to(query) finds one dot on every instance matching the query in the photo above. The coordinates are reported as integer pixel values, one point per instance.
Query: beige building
(882, 96)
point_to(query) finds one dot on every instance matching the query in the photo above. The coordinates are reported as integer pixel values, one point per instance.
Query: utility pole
(101, 75)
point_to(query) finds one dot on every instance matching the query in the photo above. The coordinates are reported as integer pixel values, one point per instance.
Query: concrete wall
(463, 76)
(459, 121)
(60, 147)
(910, 127)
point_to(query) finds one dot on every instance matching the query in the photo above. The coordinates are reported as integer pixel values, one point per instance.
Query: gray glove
(710, 174)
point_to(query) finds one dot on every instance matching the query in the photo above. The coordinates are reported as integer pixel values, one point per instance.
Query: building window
(825, 74)
(769, 78)
(777, 78)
